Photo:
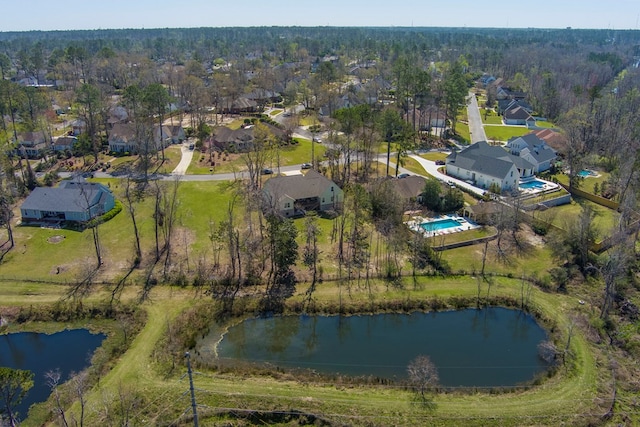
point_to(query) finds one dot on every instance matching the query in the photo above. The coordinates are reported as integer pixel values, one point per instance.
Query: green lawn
(587, 183)
(544, 124)
(414, 166)
(293, 154)
(503, 133)
(434, 155)
(489, 117)
(462, 130)
(561, 216)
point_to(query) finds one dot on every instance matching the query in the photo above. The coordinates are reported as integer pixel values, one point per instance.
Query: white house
(532, 149)
(483, 165)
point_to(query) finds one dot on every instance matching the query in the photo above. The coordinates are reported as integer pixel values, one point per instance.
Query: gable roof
(488, 160)
(409, 187)
(69, 196)
(517, 113)
(311, 184)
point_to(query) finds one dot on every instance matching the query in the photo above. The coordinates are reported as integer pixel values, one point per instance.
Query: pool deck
(415, 224)
(546, 186)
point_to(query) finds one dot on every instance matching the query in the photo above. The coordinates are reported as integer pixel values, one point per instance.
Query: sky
(103, 14)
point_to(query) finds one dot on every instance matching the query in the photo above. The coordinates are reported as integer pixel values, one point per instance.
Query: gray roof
(311, 184)
(517, 113)
(487, 159)
(537, 147)
(70, 196)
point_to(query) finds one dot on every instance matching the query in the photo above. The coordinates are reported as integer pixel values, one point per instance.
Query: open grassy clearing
(561, 216)
(435, 155)
(462, 130)
(567, 397)
(489, 117)
(587, 184)
(200, 202)
(414, 166)
(503, 133)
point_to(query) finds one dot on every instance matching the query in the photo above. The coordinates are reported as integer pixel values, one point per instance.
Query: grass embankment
(567, 397)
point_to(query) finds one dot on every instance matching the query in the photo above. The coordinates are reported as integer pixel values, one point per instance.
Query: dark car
(439, 162)
(305, 166)
(267, 171)
(403, 175)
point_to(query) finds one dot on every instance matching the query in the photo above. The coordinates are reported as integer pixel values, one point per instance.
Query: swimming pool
(532, 184)
(585, 173)
(440, 224)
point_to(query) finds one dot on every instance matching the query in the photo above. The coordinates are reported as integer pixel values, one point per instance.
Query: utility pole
(193, 394)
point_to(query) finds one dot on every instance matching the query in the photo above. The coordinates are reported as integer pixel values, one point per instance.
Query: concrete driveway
(185, 160)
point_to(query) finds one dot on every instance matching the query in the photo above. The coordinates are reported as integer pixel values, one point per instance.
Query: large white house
(483, 165)
(532, 149)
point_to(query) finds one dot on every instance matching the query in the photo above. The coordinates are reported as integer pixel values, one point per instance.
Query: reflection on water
(473, 348)
(68, 351)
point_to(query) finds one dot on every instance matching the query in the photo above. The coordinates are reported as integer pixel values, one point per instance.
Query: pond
(68, 351)
(492, 347)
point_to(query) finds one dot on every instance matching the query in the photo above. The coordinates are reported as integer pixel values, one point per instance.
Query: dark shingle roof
(488, 159)
(70, 196)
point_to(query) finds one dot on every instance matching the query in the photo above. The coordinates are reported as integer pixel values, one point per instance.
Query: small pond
(491, 347)
(68, 351)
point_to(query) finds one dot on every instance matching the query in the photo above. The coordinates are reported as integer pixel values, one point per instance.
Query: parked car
(316, 139)
(267, 171)
(403, 175)
(305, 166)
(440, 162)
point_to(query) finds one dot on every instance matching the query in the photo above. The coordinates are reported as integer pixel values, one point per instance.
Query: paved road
(475, 121)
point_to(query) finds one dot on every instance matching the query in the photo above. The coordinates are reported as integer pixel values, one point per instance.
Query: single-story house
(517, 116)
(409, 189)
(177, 133)
(289, 195)
(76, 200)
(483, 165)
(532, 149)
(484, 212)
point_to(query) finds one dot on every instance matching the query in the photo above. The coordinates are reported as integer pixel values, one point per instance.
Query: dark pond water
(471, 348)
(68, 351)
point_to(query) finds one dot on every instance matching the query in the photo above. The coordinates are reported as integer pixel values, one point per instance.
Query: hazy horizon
(148, 14)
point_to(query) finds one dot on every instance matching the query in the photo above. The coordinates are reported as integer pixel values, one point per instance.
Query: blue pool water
(440, 224)
(585, 173)
(532, 184)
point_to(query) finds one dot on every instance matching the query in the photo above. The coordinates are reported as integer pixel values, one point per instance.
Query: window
(332, 198)
(332, 188)
(288, 205)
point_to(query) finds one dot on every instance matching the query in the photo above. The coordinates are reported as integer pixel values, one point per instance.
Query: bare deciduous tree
(423, 375)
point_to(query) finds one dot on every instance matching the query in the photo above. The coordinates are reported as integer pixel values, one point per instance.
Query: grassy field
(503, 133)
(489, 117)
(587, 183)
(44, 260)
(434, 155)
(564, 398)
(293, 154)
(462, 130)
(561, 216)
